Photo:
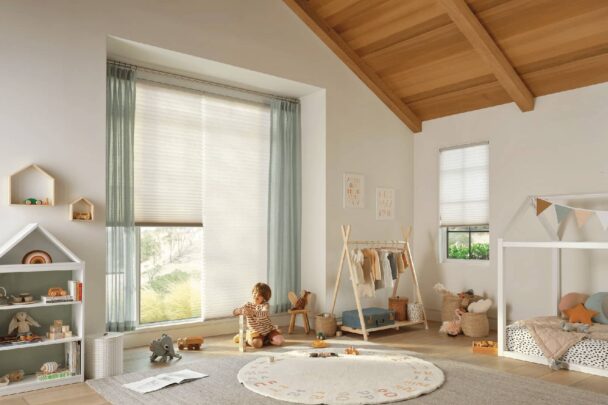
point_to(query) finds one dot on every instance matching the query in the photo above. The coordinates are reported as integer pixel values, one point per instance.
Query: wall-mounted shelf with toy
(82, 210)
(31, 186)
(42, 308)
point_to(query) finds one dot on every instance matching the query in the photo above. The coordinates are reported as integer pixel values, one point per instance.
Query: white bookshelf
(65, 266)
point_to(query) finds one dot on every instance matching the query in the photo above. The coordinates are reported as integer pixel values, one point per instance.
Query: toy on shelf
(163, 348)
(4, 381)
(21, 323)
(190, 342)
(350, 350)
(37, 257)
(82, 216)
(49, 367)
(82, 210)
(34, 201)
(23, 298)
(59, 331)
(4, 299)
(57, 292)
(15, 376)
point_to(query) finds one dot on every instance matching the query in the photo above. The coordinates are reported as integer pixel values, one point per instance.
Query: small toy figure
(298, 303)
(323, 354)
(15, 376)
(260, 329)
(49, 367)
(163, 348)
(351, 350)
(21, 322)
(320, 335)
(190, 342)
(32, 201)
(57, 292)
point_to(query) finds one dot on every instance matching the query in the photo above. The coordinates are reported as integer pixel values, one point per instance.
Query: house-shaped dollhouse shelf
(82, 210)
(31, 186)
(34, 238)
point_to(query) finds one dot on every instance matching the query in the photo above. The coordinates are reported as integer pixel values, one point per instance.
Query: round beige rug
(372, 377)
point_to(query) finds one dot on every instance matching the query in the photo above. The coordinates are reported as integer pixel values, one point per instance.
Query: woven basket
(326, 324)
(475, 325)
(450, 304)
(415, 312)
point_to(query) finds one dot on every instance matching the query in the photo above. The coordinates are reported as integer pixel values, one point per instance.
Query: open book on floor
(163, 380)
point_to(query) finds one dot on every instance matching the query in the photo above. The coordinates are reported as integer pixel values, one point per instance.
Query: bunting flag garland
(582, 216)
(541, 205)
(603, 217)
(561, 212)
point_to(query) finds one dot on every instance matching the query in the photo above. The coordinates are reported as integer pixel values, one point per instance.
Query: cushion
(580, 314)
(599, 303)
(571, 300)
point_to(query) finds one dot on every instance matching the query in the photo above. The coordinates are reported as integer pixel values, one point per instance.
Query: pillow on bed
(580, 314)
(599, 303)
(571, 300)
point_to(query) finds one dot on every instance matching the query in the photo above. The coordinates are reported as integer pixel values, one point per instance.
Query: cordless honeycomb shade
(464, 186)
(167, 157)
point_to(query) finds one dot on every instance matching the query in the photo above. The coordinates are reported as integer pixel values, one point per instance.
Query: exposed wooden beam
(480, 39)
(331, 38)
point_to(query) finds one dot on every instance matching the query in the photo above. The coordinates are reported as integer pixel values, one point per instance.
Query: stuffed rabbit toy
(22, 322)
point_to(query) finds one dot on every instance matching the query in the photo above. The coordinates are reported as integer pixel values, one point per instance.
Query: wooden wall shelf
(82, 210)
(31, 182)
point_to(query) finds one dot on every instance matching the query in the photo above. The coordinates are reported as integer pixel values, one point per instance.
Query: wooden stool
(292, 321)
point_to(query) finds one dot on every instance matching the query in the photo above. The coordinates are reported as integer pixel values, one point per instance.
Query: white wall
(559, 148)
(52, 111)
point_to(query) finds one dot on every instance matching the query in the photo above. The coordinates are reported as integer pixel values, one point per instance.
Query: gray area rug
(465, 384)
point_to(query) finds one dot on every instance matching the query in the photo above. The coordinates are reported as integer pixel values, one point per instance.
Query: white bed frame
(556, 247)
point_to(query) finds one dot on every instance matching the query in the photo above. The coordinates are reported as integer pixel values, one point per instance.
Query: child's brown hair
(263, 290)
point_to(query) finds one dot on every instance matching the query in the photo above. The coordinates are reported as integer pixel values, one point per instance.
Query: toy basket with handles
(475, 324)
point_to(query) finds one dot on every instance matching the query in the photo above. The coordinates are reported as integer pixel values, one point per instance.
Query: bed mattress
(587, 352)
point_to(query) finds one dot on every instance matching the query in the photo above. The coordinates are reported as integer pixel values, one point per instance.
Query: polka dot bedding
(587, 352)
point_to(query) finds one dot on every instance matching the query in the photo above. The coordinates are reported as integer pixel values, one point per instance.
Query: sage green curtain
(284, 203)
(121, 270)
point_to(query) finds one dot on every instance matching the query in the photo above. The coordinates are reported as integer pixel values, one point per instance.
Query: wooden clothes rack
(402, 246)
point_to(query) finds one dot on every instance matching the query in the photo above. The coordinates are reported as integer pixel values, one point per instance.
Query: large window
(464, 202)
(201, 200)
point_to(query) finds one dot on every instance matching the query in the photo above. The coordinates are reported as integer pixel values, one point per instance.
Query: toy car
(190, 342)
(32, 201)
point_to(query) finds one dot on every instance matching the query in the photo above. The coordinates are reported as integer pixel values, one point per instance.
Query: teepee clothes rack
(401, 246)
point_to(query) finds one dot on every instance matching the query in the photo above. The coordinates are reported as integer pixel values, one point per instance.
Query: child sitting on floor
(260, 329)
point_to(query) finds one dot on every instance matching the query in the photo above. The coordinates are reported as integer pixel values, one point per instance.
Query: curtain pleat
(121, 271)
(284, 203)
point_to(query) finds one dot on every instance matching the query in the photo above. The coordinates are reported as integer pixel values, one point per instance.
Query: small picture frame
(354, 190)
(385, 203)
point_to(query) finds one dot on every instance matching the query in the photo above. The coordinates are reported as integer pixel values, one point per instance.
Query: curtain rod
(201, 81)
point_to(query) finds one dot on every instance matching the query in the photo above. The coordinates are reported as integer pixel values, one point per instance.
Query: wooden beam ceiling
(329, 36)
(482, 42)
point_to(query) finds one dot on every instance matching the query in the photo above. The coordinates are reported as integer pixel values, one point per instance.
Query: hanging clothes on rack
(363, 275)
(393, 262)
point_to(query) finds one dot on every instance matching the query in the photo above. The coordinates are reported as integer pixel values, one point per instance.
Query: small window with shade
(464, 196)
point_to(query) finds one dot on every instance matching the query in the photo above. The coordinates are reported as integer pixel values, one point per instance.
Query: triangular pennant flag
(582, 216)
(541, 205)
(603, 217)
(561, 212)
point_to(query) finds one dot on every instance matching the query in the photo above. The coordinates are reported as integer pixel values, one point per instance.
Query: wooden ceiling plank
(480, 39)
(352, 60)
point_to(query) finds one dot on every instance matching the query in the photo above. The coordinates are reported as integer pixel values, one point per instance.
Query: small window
(468, 242)
(464, 208)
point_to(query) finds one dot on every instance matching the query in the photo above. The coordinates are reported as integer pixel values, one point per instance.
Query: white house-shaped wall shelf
(31, 183)
(35, 238)
(82, 210)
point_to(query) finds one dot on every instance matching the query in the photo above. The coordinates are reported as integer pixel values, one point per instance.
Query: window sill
(476, 263)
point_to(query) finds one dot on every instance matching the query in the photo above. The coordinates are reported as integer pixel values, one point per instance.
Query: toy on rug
(452, 328)
(163, 348)
(323, 354)
(574, 327)
(190, 343)
(298, 302)
(21, 323)
(319, 344)
(351, 351)
(260, 329)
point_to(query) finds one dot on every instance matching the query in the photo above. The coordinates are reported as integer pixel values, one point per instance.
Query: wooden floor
(416, 338)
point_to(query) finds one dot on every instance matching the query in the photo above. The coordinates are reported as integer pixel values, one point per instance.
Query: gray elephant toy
(163, 348)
